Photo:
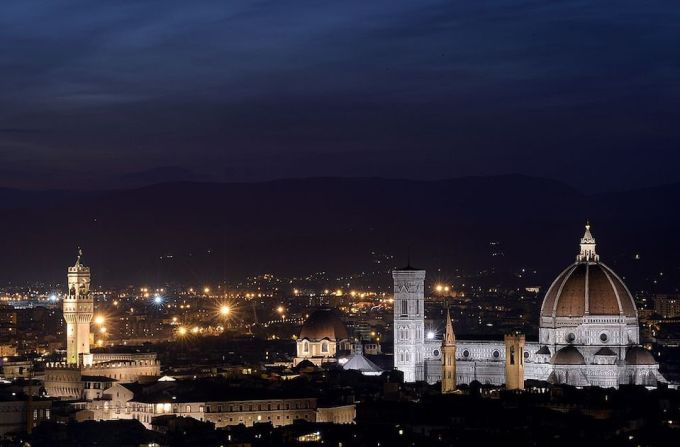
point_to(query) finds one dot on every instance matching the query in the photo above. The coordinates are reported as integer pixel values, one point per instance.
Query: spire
(587, 253)
(80, 255)
(449, 335)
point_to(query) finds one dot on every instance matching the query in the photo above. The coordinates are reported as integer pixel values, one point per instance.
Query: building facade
(78, 312)
(322, 337)
(65, 379)
(588, 333)
(119, 402)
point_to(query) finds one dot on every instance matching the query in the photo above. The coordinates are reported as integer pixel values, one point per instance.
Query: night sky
(98, 94)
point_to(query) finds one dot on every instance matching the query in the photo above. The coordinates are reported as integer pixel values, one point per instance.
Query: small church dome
(324, 323)
(638, 355)
(568, 355)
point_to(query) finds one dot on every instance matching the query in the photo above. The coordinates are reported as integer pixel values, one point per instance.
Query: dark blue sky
(115, 93)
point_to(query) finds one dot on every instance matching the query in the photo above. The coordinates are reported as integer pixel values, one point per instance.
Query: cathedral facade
(588, 333)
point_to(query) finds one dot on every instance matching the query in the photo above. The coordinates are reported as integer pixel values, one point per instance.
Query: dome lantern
(588, 253)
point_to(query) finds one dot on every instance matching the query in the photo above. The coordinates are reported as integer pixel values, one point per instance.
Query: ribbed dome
(588, 288)
(568, 355)
(324, 323)
(639, 356)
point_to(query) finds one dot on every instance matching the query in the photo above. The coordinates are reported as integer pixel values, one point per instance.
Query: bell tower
(409, 322)
(78, 310)
(449, 357)
(514, 361)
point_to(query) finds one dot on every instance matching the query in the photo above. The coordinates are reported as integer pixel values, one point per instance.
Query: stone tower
(78, 310)
(449, 357)
(409, 322)
(514, 361)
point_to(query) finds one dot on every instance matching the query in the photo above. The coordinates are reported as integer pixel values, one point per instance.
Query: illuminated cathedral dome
(324, 324)
(588, 287)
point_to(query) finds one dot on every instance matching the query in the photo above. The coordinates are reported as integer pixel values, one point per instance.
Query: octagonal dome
(588, 287)
(324, 323)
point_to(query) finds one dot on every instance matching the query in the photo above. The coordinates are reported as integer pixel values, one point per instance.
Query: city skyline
(266, 223)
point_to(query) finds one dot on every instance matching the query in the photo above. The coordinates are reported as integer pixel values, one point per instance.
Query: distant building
(8, 323)
(322, 337)
(222, 407)
(667, 306)
(17, 413)
(588, 333)
(69, 379)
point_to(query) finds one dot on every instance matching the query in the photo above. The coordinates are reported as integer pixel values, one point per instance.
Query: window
(188, 408)
(604, 337)
(305, 346)
(324, 346)
(404, 307)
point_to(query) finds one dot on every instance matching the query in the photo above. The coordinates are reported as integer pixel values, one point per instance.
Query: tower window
(404, 307)
(604, 337)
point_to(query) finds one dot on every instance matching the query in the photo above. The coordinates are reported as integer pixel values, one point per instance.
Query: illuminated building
(588, 333)
(223, 407)
(449, 357)
(78, 311)
(69, 379)
(322, 337)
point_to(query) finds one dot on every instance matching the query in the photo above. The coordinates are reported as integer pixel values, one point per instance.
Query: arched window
(305, 346)
(324, 346)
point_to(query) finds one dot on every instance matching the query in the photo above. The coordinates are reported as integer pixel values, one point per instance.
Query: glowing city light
(430, 335)
(99, 320)
(280, 309)
(53, 297)
(158, 299)
(182, 331)
(225, 310)
(206, 290)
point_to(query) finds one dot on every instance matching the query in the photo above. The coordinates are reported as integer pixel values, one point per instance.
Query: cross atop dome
(587, 253)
